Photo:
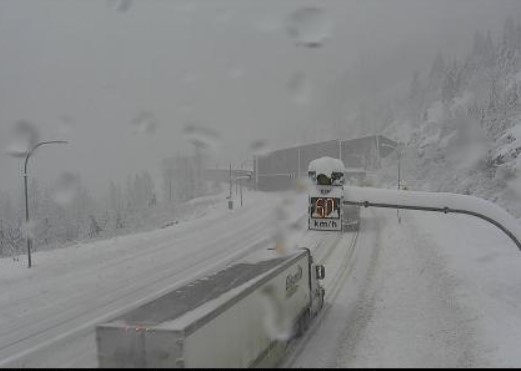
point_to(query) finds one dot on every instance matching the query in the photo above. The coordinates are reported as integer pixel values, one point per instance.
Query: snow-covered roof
(327, 166)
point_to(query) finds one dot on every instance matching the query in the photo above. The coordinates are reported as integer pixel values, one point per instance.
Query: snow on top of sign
(327, 166)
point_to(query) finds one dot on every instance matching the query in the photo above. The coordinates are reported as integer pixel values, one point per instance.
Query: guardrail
(436, 202)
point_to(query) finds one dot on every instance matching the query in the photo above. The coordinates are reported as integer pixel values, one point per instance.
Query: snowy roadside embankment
(450, 153)
(486, 269)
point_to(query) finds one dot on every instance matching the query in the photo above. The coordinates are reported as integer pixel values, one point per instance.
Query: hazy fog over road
(121, 79)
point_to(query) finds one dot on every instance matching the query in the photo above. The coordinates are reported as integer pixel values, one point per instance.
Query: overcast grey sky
(82, 70)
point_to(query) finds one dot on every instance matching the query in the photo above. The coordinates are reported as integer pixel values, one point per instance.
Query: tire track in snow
(232, 241)
(70, 304)
(408, 315)
(332, 285)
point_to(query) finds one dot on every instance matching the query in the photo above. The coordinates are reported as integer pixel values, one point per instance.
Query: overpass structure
(246, 177)
(278, 170)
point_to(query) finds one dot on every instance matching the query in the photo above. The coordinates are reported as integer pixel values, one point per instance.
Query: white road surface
(48, 312)
(433, 291)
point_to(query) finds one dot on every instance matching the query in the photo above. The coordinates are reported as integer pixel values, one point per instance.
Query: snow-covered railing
(437, 202)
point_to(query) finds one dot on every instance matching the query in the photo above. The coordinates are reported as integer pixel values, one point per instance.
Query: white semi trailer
(242, 316)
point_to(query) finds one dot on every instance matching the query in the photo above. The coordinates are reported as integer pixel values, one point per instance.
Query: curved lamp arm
(39, 145)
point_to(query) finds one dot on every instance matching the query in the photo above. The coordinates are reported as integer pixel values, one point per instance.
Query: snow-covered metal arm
(438, 202)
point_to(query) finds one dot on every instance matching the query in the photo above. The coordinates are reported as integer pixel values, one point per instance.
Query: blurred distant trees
(55, 222)
(124, 208)
(183, 178)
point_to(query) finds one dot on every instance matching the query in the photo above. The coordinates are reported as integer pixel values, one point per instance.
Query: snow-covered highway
(49, 312)
(433, 291)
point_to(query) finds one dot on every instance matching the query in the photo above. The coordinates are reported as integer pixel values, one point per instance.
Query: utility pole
(170, 188)
(230, 202)
(399, 169)
(256, 169)
(298, 162)
(399, 152)
(377, 151)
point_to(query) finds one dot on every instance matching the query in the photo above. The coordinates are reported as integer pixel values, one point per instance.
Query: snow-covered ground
(433, 291)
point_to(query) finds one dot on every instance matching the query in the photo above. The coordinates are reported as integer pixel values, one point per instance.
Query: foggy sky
(83, 70)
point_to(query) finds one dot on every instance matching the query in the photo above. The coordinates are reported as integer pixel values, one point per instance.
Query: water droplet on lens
(223, 15)
(29, 229)
(65, 125)
(24, 135)
(259, 147)
(66, 188)
(187, 7)
(191, 78)
(309, 27)
(120, 5)
(145, 123)
(299, 88)
(276, 319)
(303, 185)
(200, 136)
(268, 25)
(236, 73)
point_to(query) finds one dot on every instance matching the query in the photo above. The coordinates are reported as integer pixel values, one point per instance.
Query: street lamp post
(28, 237)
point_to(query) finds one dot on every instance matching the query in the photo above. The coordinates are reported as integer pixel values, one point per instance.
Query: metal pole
(399, 182)
(240, 182)
(256, 165)
(28, 237)
(230, 181)
(377, 151)
(27, 233)
(399, 185)
(399, 169)
(298, 162)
